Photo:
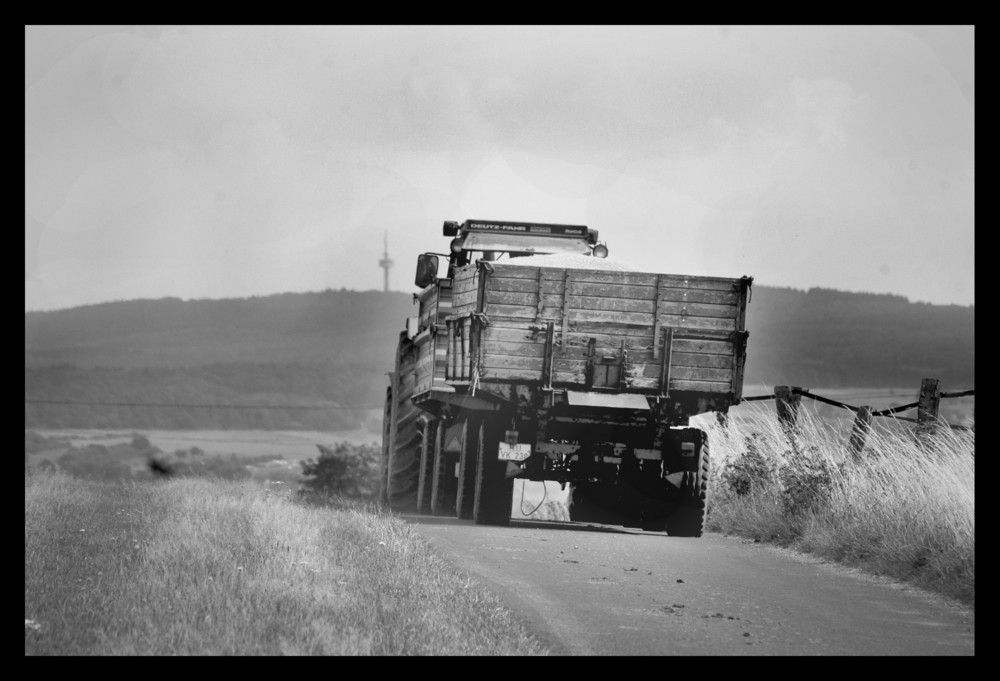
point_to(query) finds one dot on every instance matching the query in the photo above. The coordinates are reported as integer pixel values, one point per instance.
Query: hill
(318, 360)
(829, 338)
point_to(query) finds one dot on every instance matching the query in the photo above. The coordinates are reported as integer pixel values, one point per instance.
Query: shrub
(141, 443)
(345, 469)
(749, 470)
(806, 482)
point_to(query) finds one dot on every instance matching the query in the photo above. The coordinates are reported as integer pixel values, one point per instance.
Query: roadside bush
(345, 469)
(749, 470)
(806, 482)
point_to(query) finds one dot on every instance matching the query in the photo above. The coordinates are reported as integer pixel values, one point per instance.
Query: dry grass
(207, 567)
(903, 509)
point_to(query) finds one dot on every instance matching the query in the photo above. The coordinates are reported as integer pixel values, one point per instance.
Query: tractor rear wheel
(404, 449)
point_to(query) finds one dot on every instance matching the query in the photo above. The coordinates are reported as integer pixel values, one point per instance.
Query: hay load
(574, 261)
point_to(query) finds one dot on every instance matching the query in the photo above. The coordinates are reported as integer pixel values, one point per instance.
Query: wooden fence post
(862, 424)
(927, 407)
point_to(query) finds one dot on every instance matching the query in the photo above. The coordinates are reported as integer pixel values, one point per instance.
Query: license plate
(514, 452)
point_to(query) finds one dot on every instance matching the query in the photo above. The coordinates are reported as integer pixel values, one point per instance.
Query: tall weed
(903, 508)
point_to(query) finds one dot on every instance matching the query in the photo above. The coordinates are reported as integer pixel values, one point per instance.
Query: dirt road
(602, 591)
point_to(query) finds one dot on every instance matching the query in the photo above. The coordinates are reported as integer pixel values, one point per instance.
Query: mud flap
(513, 470)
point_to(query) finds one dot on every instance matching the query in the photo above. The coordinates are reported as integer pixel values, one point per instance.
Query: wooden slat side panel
(428, 310)
(576, 379)
(519, 333)
(526, 343)
(464, 279)
(642, 342)
(643, 357)
(464, 290)
(440, 354)
(707, 360)
(683, 386)
(529, 364)
(554, 287)
(681, 324)
(617, 277)
(445, 296)
(583, 328)
(529, 349)
(613, 308)
(566, 370)
(463, 303)
(631, 311)
(572, 374)
(608, 322)
(692, 373)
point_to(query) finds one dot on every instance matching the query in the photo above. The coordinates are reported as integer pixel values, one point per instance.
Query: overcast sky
(230, 161)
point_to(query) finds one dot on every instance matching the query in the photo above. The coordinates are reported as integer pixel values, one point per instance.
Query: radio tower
(385, 263)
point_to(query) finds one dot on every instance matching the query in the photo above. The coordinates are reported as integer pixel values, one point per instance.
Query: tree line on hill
(315, 361)
(829, 338)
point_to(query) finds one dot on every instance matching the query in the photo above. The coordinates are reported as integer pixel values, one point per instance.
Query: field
(194, 566)
(291, 445)
(901, 509)
(288, 448)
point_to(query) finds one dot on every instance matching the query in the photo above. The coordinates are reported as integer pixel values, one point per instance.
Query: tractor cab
(496, 240)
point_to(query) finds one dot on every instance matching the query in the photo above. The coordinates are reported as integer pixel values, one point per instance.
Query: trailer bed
(588, 329)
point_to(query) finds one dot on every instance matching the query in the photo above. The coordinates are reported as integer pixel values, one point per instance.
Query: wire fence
(787, 401)
(892, 411)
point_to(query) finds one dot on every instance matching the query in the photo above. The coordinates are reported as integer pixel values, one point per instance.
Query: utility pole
(385, 263)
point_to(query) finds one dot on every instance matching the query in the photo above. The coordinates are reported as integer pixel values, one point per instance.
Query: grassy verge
(207, 567)
(902, 509)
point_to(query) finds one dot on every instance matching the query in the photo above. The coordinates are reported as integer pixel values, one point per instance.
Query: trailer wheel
(426, 476)
(494, 491)
(688, 518)
(404, 449)
(464, 495)
(442, 500)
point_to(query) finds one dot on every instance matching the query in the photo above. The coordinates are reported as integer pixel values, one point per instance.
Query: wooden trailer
(586, 376)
